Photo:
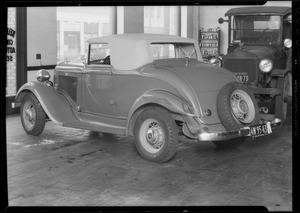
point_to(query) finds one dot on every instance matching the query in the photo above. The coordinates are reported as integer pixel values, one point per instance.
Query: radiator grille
(247, 66)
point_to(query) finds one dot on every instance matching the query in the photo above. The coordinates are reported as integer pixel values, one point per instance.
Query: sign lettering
(10, 45)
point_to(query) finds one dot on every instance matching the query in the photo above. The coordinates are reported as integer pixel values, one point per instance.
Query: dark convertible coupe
(154, 87)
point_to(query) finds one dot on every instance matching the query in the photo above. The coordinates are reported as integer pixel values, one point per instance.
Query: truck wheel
(282, 100)
(237, 108)
(33, 116)
(156, 135)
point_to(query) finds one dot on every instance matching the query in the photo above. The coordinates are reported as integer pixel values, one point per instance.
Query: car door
(97, 82)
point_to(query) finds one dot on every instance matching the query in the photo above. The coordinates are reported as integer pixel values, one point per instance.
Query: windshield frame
(231, 30)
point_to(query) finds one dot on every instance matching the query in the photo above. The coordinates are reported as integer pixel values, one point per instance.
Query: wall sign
(11, 49)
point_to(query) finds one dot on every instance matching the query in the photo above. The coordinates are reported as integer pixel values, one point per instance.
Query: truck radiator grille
(242, 66)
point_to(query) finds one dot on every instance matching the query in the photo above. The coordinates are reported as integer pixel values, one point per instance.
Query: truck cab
(260, 55)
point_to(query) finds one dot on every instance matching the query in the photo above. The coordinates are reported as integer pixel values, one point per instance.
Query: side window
(99, 54)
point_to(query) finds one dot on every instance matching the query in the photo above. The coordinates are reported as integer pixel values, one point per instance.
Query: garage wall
(41, 36)
(209, 16)
(11, 55)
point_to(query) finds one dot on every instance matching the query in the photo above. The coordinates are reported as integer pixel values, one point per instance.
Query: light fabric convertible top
(130, 51)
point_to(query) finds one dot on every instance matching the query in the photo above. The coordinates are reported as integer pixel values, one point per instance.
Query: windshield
(173, 50)
(256, 30)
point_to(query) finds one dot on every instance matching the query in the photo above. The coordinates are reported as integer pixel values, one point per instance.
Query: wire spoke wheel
(242, 106)
(29, 115)
(33, 116)
(156, 134)
(152, 135)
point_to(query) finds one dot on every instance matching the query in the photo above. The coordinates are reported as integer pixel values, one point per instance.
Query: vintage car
(260, 55)
(153, 87)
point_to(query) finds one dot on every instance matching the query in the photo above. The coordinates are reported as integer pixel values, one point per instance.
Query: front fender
(279, 72)
(55, 105)
(159, 97)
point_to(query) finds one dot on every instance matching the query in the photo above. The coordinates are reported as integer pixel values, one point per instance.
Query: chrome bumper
(243, 132)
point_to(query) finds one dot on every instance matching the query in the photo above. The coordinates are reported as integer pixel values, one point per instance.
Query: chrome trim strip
(243, 132)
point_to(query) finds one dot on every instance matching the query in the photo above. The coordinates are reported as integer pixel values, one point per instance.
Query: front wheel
(33, 116)
(237, 108)
(282, 100)
(156, 135)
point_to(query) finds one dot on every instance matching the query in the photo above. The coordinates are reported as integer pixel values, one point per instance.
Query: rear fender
(162, 98)
(55, 105)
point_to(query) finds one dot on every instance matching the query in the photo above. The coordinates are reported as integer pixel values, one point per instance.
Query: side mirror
(221, 20)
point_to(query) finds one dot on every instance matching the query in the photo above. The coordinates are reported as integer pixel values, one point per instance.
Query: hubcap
(29, 115)
(152, 135)
(242, 106)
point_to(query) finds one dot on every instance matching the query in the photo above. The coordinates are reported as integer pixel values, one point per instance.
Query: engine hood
(255, 52)
(74, 66)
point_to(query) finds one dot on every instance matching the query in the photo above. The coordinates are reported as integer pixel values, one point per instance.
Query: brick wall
(11, 55)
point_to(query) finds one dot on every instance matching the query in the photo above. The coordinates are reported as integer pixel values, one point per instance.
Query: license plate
(260, 130)
(242, 77)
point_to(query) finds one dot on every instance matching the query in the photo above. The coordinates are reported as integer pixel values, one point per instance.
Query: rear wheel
(156, 135)
(33, 116)
(237, 108)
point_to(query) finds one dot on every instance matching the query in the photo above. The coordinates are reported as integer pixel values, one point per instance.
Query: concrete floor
(70, 167)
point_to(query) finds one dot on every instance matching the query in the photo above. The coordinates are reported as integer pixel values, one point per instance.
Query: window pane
(161, 19)
(75, 25)
(100, 54)
(173, 50)
(260, 30)
(162, 51)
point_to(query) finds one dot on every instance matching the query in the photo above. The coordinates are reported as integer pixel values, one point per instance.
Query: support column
(183, 21)
(21, 52)
(134, 19)
(120, 20)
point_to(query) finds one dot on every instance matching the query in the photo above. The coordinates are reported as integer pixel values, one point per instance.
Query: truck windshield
(256, 30)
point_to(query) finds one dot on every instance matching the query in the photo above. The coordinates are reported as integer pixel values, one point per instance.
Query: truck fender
(279, 72)
(55, 105)
(163, 98)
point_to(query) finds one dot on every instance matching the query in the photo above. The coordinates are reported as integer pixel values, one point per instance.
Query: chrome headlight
(287, 43)
(265, 65)
(42, 75)
(215, 61)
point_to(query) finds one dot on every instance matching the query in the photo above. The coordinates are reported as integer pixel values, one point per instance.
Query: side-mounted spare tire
(237, 108)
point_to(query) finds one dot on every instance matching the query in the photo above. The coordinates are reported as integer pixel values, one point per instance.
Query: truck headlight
(265, 65)
(287, 43)
(215, 61)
